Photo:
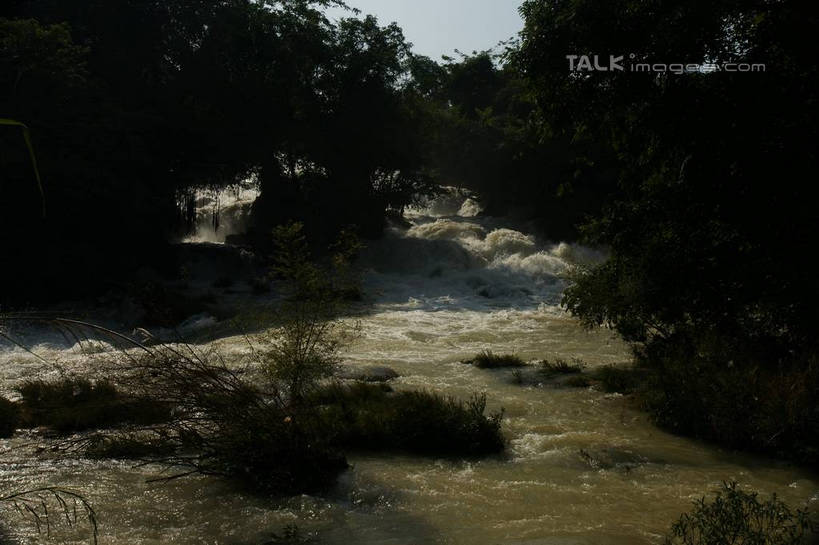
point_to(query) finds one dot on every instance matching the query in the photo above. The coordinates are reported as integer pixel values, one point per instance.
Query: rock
(372, 373)
(612, 458)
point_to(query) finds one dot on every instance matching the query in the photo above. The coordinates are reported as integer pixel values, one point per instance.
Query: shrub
(268, 449)
(559, 366)
(489, 360)
(618, 379)
(738, 517)
(766, 410)
(72, 405)
(372, 417)
(304, 349)
(225, 423)
(9, 417)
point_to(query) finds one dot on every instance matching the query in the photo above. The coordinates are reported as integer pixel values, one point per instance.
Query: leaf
(27, 138)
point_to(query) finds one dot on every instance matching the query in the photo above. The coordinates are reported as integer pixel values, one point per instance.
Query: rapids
(582, 467)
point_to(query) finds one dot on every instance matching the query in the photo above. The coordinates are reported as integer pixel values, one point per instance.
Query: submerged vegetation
(761, 411)
(373, 417)
(489, 360)
(623, 380)
(71, 405)
(559, 366)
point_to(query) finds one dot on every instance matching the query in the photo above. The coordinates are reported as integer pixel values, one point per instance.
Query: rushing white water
(582, 467)
(229, 207)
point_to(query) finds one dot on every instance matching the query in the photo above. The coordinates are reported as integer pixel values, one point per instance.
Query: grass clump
(735, 516)
(559, 366)
(372, 417)
(489, 360)
(70, 405)
(623, 380)
(9, 417)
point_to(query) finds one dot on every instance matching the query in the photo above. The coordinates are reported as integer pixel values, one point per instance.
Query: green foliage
(708, 270)
(9, 417)
(372, 417)
(266, 448)
(71, 405)
(304, 349)
(690, 258)
(30, 147)
(769, 411)
(214, 93)
(224, 422)
(230, 424)
(489, 360)
(738, 517)
(623, 380)
(489, 133)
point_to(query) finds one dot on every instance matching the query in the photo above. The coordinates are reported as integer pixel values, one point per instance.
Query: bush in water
(622, 380)
(71, 405)
(305, 347)
(373, 417)
(741, 406)
(488, 360)
(735, 516)
(560, 366)
(224, 421)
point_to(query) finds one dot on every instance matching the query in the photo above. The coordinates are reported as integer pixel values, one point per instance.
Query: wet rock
(612, 458)
(373, 373)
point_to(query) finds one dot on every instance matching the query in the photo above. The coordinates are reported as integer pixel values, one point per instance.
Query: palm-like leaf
(27, 138)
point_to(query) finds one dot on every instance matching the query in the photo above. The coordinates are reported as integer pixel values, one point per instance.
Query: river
(582, 466)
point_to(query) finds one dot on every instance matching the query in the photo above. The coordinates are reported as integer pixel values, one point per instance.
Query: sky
(438, 27)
